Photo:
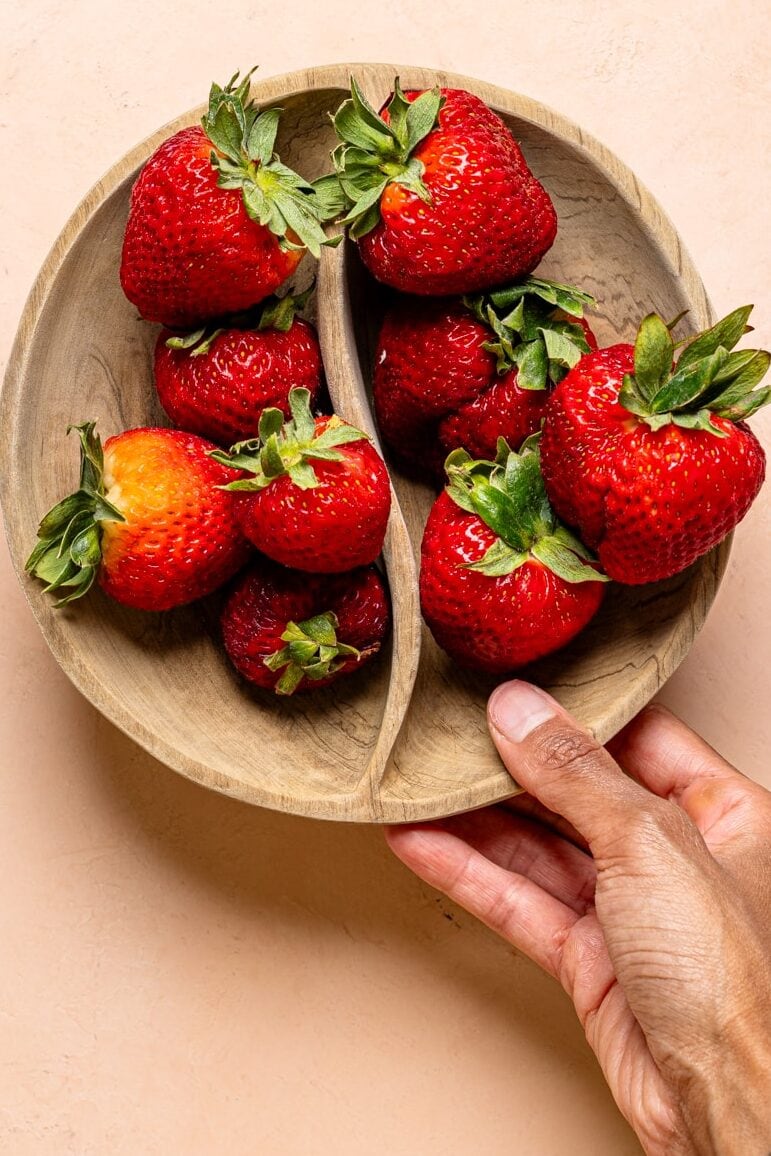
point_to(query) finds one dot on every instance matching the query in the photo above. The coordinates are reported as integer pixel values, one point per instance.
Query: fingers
(520, 845)
(516, 908)
(665, 754)
(559, 763)
(526, 805)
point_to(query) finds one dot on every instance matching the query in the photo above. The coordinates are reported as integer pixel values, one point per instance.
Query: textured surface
(176, 933)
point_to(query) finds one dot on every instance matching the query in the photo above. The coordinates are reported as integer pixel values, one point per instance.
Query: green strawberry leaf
(256, 203)
(330, 198)
(630, 398)
(744, 408)
(686, 385)
(303, 475)
(500, 559)
(274, 195)
(338, 435)
(356, 123)
(563, 562)
(186, 340)
(532, 364)
(368, 199)
(702, 420)
(262, 136)
(86, 548)
(226, 132)
(421, 117)
(561, 348)
(738, 380)
(397, 114)
(68, 552)
(271, 461)
(653, 353)
(725, 333)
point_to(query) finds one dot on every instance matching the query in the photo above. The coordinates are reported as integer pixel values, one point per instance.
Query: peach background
(182, 973)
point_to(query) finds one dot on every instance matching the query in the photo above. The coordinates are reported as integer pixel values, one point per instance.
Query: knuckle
(563, 748)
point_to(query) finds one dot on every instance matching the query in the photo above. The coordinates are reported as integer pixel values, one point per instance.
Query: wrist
(727, 1106)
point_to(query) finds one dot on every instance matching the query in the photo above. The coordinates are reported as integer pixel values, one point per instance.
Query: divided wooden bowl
(406, 739)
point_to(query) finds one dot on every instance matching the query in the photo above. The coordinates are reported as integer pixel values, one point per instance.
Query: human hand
(646, 897)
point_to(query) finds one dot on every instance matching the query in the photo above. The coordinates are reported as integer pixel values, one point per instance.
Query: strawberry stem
(69, 546)
(287, 447)
(273, 313)
(312, 651)
(374, 152)
(510, 497)
(243, 154)
(710, 376)
(531, 331)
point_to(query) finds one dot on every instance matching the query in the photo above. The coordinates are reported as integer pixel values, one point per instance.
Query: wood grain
(407, 738)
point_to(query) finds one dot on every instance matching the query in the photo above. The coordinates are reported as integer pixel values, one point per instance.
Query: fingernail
(517, 708)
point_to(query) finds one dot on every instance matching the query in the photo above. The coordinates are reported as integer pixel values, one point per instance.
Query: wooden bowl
(406, 739)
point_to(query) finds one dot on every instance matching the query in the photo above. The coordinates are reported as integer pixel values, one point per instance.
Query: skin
(646, 895)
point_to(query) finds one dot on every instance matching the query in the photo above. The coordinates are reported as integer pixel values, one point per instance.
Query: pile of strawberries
(567, 466)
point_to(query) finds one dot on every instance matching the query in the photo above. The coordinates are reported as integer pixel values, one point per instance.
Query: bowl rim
(648, 679)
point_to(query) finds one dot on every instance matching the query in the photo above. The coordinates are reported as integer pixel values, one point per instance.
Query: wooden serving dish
(407, 738)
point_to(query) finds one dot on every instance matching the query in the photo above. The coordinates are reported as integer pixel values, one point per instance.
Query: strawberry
(464, 372)
(217, 381)
(318, 497)
(289, 631)
(652, 464)
(502, 582)
(440, 197)
(216, 222)
(150, 521)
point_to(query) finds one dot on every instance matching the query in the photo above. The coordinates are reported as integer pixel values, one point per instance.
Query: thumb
(561, 764)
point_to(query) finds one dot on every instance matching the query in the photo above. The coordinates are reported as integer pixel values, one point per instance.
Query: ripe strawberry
(439, 194)
(150, 521)
(217, 381)
(319, 495)
(462, 373)
(655, 465)
(289, 631)
(502, 582)
(216, 222)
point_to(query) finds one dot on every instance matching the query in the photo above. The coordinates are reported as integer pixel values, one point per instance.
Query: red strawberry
(216, 222)
(319, 495)
(654, 465)
(288, 631)
(217, 382)
(150, 521)
(441, 199)
(502, 582)
(462, 373)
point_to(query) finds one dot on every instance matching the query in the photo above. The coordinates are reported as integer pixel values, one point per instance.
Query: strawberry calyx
(287, 447)
(69, 547)
(531, 329)
(312, 651)
(273, 313)
(244, 158)
(709, 377)
(510, 497)
(373, 152)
